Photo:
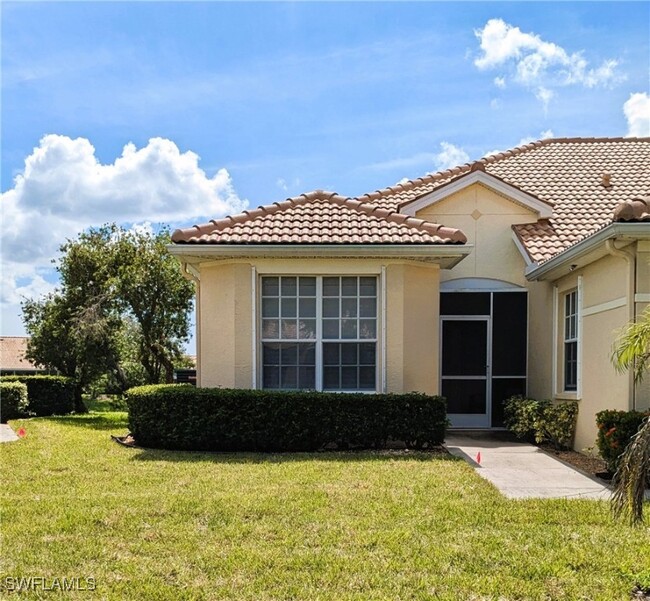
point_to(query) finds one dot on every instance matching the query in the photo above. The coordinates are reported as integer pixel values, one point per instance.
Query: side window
(571, 341)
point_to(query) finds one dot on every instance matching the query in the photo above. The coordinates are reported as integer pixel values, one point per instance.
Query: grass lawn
(164, 525)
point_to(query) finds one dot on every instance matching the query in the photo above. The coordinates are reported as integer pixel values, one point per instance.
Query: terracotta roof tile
(12, 354)
(584, 179)
(319, 218)
(633, 210)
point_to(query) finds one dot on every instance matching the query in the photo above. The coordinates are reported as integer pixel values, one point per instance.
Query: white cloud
(282, 184)
(544, 95)
(535, 63)
(637, 113)
(450, 156)
(64, 189)
(543, 135)
(495, 103)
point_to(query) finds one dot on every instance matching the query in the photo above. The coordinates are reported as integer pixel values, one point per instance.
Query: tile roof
(319, 218)
(12, 354)
(633, 210)
(584, 179)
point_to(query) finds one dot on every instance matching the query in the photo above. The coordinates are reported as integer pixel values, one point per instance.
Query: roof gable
(583, 179)
(319, 218)
(477, 174)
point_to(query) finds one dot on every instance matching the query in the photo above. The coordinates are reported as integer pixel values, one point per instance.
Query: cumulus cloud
(450, 156)
(535, 63)
(637, 113)
(64, 189)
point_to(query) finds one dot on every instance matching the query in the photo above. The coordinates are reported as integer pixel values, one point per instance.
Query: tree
(632, 352)
(121, 298)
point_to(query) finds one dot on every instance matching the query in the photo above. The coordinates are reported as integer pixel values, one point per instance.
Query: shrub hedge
(542, 421)
(13, 400)
(217, 419)
(615, 430)
(48, 395)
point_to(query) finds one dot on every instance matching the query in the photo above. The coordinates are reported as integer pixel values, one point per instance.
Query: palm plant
(632, 353)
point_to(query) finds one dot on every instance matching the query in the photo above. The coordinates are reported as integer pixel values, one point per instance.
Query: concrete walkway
(7, 434)
(521, 471)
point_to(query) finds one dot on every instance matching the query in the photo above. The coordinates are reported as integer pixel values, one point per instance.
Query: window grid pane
(289, 318)
(571, 341)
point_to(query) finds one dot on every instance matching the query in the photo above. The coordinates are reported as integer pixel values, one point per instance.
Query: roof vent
(606, 180)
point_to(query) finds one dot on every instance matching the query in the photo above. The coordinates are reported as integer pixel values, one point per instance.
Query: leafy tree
(632, 352)
(121, 301)
(158, 298)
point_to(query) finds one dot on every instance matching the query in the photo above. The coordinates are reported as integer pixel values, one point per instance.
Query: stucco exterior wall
(227, 341)
(226, 344)
(413, 306)
(486, 218)
(603, 310)
(540, 340)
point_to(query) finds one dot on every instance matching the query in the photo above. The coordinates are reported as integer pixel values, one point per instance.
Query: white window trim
(379, 338)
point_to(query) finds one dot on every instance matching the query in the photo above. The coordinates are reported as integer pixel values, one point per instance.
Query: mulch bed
(590, 465)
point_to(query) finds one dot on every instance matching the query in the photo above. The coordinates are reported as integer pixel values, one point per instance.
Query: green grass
(164, 525)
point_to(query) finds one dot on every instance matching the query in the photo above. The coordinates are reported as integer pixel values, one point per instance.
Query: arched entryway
(483, 349)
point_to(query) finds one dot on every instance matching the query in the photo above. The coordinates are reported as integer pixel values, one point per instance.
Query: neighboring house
(12, 358)
(543, 255)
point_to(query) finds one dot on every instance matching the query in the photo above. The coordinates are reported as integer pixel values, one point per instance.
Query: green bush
(615, 430)
(48, 395)
(520, 416)
(557, 423)
(217, 419)
(13, 400)
(542, 421)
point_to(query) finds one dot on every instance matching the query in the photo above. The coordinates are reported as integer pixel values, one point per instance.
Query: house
(12, 358)
(508, 275)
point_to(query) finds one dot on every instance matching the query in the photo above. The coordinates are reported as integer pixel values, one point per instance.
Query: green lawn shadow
(252, 457)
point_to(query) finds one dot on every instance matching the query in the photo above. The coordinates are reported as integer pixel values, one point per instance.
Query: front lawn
(170, 525)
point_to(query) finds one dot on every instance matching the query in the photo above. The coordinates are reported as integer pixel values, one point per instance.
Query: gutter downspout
(192, 275)
(630, 259)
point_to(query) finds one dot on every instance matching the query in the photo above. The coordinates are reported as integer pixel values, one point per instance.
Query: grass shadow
(93, 421)
(295, 457)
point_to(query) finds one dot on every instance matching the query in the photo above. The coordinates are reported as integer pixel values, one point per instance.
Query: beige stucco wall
(225, 316)
(226, 343)
(486, 218)
(412, 328)
(604, 310)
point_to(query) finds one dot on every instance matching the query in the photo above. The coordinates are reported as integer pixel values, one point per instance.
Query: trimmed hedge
(615, 430)
(172, 416)
(48, 395)
(542, 421)
(13, 400)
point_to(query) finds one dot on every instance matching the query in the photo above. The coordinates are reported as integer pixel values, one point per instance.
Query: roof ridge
(488, 160)
(368, 209)
(392, 216)
(250, 214)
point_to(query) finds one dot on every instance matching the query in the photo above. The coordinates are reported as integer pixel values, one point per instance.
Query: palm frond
(632, 347)
(632, 476)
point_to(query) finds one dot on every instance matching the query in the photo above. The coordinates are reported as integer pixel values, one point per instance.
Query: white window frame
(319, 341)
(571, 335)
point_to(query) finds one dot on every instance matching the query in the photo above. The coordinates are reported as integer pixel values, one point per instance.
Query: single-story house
(13, 361)
(508, 275)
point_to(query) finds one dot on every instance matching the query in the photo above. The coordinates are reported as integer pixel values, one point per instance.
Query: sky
(163, 113)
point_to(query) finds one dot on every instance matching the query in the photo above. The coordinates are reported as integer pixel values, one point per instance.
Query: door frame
(471, 420)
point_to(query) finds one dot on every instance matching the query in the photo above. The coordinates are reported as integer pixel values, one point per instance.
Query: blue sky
(223, 105)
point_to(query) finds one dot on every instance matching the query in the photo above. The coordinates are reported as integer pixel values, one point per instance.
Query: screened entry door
(464, 371)
(483, 354)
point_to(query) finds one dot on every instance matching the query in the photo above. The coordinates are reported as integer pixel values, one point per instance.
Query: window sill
(566, 396)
